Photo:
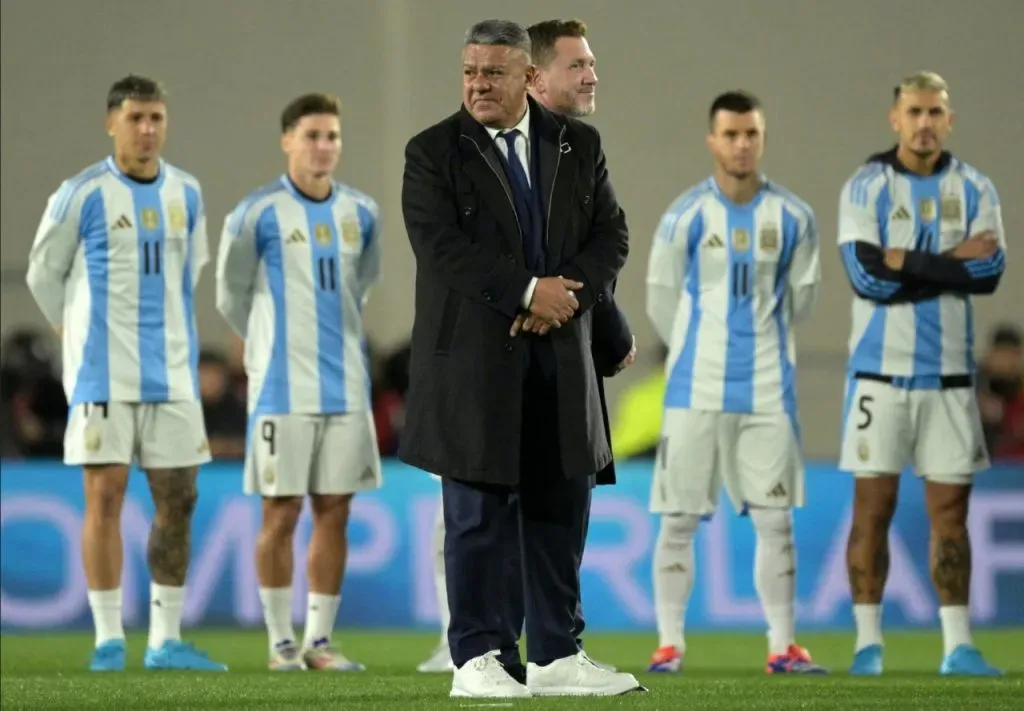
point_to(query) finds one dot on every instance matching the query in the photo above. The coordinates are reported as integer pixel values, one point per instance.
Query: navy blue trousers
(533, 533)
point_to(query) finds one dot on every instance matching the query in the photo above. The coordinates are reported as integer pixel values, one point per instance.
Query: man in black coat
(510, 212)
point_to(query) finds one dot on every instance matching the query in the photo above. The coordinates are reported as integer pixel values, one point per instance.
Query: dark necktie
(523, 196)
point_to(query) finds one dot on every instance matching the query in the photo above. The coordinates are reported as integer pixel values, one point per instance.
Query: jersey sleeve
(53, 251)
(369, 268)
(805, 270)
(666, 268)
(237, 265)
(199, 239)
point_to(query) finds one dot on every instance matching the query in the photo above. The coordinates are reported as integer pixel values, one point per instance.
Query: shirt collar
(523, 127)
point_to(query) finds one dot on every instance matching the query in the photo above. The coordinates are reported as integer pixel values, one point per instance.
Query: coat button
(467, 211)
(586, 199)
(508, 256)
(509, 348)
(600, 296)
(488, 296)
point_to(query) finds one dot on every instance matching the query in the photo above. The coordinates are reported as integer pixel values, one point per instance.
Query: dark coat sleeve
(598, 263)
(441, 248)
(613, 338)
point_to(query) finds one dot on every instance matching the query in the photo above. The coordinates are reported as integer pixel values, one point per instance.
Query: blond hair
(922, 81)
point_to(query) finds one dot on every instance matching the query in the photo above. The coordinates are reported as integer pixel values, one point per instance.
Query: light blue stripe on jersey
(192, 208)
(330, 331)
(93, 381)
(66, 194)
(153, 383)
(867, 356)
(790, 236)
(679, 390)
(927, 314)
(738, 395)
(275, 396)
(972, 201)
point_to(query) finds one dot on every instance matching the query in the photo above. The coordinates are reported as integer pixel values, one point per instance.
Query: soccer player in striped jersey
(113, 268)
(297, 259)
(920, 232)
(734, 264)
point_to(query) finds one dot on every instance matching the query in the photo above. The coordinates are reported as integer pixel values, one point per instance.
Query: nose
(590, 77)
(480, 84)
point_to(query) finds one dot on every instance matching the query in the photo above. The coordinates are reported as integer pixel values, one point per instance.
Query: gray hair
(502, 33)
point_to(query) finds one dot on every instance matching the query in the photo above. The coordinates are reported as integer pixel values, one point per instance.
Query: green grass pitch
(724, 671)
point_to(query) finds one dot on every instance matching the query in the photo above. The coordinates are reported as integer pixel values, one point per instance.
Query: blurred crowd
(33, 408)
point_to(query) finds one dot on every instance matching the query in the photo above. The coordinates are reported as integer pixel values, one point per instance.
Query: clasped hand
(553, 304)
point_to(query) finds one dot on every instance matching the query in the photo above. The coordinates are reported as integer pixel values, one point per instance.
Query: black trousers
(534, 532)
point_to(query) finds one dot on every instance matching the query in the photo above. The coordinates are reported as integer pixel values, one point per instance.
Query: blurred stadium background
(824, 69)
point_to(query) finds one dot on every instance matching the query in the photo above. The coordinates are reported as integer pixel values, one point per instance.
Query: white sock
(674, 570)
(956, 627)
(321, 612)
(868, 619)
(164, 614)
(277, 614)
(440, 582)
(106, 614)
(775, 575)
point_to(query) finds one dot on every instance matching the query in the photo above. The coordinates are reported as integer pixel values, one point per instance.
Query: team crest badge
(863, 453)
(740, 239)
(268, 474)
(769, 238)
(350, 233)
(926, 209)
(92, 439)
(150, 219)
(322, 233)
(176, 216)
(951, 208)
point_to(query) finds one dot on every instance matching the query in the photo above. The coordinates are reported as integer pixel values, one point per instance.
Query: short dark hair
(1007, 336)
(134, 87)
(498, 33)
(739, 102)
(544, 36)
(308, 105)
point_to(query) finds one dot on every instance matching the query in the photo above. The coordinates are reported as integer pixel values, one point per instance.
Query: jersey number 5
(862, 405)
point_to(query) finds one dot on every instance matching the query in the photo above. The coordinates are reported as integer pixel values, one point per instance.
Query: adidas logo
(123, 223)
(714, 241)
(778, 491)
(901, 213)
(295, 237)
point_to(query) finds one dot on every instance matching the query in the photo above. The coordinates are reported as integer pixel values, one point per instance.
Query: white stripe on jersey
(725, 283)
(115, 263)
(884, 207)
(292, 278)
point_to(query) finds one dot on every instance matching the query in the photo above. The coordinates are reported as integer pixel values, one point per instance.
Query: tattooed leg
(950, 543)
(867, 548)
(174, 496)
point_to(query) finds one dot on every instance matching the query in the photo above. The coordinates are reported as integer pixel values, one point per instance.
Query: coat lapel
(556, 172)
(480, 161)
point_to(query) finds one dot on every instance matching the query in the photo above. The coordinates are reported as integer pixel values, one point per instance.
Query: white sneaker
(578, 675)
(439, 662)
(485, 677)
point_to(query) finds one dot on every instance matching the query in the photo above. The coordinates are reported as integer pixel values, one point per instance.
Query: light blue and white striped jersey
(115, 263)
(725, 282)
(293, 275)
(916, 323)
